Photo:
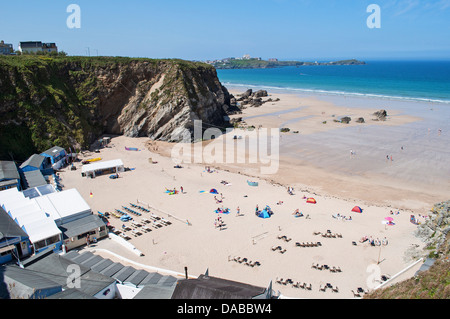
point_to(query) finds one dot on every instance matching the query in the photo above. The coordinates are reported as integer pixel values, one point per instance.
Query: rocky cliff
(70, 101)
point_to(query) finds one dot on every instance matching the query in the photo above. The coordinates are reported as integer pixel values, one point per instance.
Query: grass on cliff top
(30, 60)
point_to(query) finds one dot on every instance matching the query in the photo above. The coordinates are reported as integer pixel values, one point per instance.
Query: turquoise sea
(402, 80)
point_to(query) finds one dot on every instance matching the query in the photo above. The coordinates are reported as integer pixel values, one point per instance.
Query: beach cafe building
(100, 168)
(40, 228)
(46, 217)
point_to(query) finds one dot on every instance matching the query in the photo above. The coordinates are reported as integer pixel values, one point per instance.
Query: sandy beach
(338, 182)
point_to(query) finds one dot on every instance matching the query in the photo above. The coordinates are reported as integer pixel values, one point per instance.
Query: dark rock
(360, 120)
(260, 93)
(381, 115)
(345, 120)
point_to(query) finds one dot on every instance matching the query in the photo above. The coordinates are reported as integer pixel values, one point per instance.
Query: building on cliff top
(37, 46)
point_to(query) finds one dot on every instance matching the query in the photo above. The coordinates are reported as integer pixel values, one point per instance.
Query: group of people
(218, 201)
(373, 241)
(208, 169)
(267, 208)
(341, 217)
(219, 223)
(290, 190)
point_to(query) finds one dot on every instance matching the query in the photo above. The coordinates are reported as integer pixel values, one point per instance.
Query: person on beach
(182, 191)
(238, 211)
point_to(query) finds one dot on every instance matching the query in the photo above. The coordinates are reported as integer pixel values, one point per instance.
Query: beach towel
(222, 211)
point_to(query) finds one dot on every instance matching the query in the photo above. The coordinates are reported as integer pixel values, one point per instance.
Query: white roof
(25, 210)
(10, 195)
(41, 229)
(101, 165)
(63, 204)
(32, 217)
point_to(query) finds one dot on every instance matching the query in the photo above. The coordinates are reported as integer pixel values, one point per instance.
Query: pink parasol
(389, 218)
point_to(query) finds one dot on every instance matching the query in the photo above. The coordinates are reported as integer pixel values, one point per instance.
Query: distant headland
(247, 62)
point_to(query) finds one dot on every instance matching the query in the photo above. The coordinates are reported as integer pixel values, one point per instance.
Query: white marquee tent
(113, 165)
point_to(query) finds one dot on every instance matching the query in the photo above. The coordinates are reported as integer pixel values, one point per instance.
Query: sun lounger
(136, 232)
(166, 221)
(147, 229)
(145, 220)
(158, 225)
(125, 236)
(155, 216)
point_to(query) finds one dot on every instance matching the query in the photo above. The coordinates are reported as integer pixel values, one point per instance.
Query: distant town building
(6, 48)
(37, 46)
(246, 57)
(273, 60)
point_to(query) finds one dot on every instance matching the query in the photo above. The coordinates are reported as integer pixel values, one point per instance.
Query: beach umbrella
(213, 191)
(264, 214)
(389, 219)
(357, 209)
(311, 200)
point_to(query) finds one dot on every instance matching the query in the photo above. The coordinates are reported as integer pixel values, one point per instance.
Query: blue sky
(199, 30)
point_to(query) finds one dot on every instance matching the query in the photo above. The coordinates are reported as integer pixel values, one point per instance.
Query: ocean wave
(341, 93)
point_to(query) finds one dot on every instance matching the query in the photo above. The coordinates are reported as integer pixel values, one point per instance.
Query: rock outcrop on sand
(380, 115)
(70, 101)
(253, 99)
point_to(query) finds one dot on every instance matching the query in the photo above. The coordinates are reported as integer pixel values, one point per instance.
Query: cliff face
(71, 101)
